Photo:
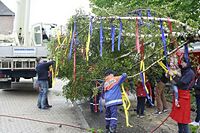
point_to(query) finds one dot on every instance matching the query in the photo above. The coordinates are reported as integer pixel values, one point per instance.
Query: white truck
(18, 52)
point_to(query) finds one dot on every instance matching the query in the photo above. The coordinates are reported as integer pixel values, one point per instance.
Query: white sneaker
(194, 123)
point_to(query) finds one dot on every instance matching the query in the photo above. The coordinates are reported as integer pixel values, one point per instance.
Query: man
(182, 114)
(113, 98)
(197, 96)
(160, 95)
(42, 73)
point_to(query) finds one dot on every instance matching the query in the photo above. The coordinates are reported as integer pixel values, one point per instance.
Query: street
(21, 102)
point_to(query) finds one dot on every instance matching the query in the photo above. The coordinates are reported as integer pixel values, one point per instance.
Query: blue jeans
(42, 97)
(198, 108)
(183, 128)
(111, 116)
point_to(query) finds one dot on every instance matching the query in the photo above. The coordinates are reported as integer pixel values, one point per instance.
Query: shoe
(157, 113)
(107, 131)
(112, 130)
(165, 110)
(45, 108)
(141, 116)
(138, 116)
(49, 106)
(194, 123)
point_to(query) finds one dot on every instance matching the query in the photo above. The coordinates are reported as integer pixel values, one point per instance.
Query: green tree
(127, 59)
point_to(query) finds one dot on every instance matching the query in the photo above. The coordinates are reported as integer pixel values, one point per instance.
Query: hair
(38, 59)
(108, 72)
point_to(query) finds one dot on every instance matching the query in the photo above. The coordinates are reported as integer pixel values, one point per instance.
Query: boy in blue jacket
(113, 98)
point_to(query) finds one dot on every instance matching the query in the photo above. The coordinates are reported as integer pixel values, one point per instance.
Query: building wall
(6, 24)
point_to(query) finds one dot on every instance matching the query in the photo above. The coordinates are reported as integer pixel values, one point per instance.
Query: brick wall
(6, 24)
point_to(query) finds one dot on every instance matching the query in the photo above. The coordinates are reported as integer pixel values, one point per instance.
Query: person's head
(39, 59)
(198, 69)
(184, 63)
(108, 72)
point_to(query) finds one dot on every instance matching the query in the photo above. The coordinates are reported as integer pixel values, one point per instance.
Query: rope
(160, 59)
(47, 122)
(160, 124)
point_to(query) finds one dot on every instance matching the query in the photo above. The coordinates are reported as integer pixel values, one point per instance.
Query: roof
(5, 11)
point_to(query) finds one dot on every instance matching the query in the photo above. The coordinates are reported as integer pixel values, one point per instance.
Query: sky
(51, 11)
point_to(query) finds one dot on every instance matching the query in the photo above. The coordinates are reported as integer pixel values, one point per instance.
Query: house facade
(6, 19)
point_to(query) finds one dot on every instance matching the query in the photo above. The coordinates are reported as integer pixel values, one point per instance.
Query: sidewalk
(22, 103)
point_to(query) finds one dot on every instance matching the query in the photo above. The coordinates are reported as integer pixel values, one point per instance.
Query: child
(113, 98)
(174, 69)
(141, 96)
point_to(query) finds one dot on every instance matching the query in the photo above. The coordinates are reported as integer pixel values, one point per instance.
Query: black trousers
(198, 108)
(140, 105)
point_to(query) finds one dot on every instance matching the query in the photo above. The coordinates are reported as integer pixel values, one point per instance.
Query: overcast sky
(51, 11)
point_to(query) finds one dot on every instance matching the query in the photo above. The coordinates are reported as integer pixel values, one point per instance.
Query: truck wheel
(13, 79)
(17, 79)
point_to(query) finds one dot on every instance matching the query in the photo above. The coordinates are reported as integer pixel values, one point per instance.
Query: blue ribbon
(91, 26)
(72, 41)
(140, 15)
(113, 36)
(100, 105)
(186, 53)
(149, 15)
(101, 37)
(148, 97)
(164, 43)
(120, 34)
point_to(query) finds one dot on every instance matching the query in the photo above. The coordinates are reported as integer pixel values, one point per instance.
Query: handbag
(36, 84)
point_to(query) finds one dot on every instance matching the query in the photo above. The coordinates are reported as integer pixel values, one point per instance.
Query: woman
(182, 114)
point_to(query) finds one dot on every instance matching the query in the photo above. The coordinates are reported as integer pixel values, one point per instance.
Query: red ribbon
(95, 98)
(170, 25)
(74, 69)
(142, 49)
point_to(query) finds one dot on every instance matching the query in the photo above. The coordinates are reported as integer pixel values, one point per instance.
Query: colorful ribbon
(70, 37)
(52, 75)
(101, 38)
(88, 41)
(126, 105)
(164, 42)
(137, 37)
(186, 53)
(169, 25)
(120, 34)
(113, 36)
(140, 15)
(72, 42)
(74, 69)
(142, 75)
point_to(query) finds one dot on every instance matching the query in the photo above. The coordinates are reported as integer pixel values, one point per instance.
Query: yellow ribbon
(126, 105)
(53, 75)
(165, 68)
(56, 69)
(58, 39)
(88, 46)
(142, 68)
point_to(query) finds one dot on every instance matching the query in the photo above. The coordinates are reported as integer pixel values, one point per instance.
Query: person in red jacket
(141, 96)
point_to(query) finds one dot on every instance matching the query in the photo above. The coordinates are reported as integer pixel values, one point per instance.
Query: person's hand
(171, 73)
